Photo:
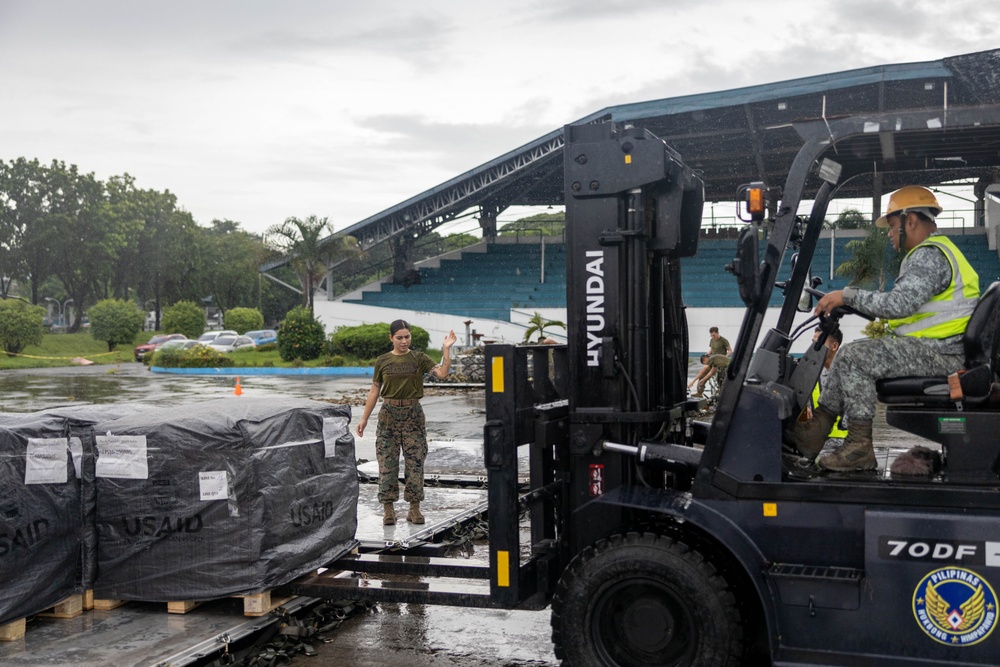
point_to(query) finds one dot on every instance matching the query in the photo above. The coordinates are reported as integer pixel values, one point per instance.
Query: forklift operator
(928, 310)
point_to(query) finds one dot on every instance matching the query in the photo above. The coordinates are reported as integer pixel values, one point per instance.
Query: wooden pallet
(71, 607)
(256, 604)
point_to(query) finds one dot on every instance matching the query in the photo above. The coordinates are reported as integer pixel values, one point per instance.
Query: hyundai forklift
(659, 539)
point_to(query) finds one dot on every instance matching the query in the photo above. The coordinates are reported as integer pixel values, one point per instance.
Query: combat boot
(857, 452)
(389, 517)
(810, 436)
(414, 515)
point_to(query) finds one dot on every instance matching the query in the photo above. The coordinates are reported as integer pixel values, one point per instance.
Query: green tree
(538, 324)
(850, 218)
(300, 336)
(541, 224)
(242, 320)
(24, 236)
(21, 325)
(184, 317)
(868, 266)
(115, 321)
(232, 259)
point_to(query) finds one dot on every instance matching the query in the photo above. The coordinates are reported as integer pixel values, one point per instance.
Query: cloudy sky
(255, 111)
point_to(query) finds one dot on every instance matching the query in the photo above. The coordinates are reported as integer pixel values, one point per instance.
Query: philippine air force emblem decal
(955, 606)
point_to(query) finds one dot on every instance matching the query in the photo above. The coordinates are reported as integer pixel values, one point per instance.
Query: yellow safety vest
(836, 431)
(946, 314)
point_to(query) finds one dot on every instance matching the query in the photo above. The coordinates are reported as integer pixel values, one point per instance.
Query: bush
(184, 317)
(115, 321)
(242, 320)
(21, 325)
(300, 336)
(199, 356)
(266, 347)
(372, 340)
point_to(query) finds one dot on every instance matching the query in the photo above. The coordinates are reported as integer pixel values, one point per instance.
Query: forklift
(659, 539)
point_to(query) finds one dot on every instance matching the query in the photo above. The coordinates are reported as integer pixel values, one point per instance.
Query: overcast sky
(255, 111)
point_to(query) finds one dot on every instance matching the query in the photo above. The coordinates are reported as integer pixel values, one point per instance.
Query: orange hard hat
(910, 197)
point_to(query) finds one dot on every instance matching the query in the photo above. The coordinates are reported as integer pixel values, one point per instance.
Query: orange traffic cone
(239, 390)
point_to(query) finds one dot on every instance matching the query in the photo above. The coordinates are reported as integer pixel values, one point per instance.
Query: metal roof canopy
(732, 137)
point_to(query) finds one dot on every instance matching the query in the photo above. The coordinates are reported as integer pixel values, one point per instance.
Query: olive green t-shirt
(402, 375)
(718, 361)
(718, 345)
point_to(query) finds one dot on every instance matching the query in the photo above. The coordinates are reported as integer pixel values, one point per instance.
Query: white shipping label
(214, 485)
(334, 428)
(122, 456)
(45, 461)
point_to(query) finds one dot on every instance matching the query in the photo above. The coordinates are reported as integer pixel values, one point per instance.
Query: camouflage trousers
(849, 389)
(401, 429)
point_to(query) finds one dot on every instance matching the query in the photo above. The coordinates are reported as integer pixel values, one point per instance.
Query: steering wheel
(839, 311)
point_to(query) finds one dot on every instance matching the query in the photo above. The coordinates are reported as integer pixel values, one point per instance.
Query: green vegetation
(242, 320)
(300, 336)
(538, 325)
(184, 317)
(21, 324)
(56, 350)
(368, 341)
(115, 322)
(868, 266)
(541, 224)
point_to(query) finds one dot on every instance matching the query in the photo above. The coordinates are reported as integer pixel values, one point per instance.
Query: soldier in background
(717, 344)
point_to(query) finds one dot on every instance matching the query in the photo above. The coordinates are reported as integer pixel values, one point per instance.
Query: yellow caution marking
(770, 509)
(503, 567)
(497, 375)
(628, 159)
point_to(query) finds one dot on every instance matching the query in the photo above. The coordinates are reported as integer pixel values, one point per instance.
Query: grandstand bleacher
(489, 282)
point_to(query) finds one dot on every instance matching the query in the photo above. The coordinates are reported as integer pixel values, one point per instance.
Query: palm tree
(309, 251)
(538, 324)
(868, 266)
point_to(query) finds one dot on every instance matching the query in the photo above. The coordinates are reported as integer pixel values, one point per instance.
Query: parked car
(155, 342)
(263, 336)
(231, 343)
(209, 336)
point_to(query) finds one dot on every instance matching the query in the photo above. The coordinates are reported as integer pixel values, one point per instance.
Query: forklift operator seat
(969, 387)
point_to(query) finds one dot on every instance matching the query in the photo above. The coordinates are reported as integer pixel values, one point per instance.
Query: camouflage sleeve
(924, 273)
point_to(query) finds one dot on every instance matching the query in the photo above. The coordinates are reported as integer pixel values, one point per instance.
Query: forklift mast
(633, 209)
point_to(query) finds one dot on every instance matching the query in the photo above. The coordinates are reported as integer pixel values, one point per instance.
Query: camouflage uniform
(850, 388)
(401, 428)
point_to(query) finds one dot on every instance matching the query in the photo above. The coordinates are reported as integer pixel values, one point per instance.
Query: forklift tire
(644, 600)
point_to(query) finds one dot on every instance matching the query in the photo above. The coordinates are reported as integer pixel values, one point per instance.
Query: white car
(231, 343)
(210, 336)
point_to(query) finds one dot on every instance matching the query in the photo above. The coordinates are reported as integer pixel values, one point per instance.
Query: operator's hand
(361, 427)
(450, 339)
(832, 300)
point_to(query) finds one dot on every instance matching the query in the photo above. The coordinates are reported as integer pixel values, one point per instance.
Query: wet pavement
(400, 635)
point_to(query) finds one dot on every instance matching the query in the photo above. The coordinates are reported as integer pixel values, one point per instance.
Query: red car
(155, 342)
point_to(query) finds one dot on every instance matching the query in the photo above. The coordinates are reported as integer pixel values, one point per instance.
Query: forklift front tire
(645, 600)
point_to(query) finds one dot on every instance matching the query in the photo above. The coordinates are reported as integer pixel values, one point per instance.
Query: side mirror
(746, 265)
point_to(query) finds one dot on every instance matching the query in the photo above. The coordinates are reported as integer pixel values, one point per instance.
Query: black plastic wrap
(208, 500)
(40, 515)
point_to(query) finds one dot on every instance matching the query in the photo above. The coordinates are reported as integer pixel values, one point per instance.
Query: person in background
(717, 344)
(399, 380)
(838, 431)
(716, 363)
